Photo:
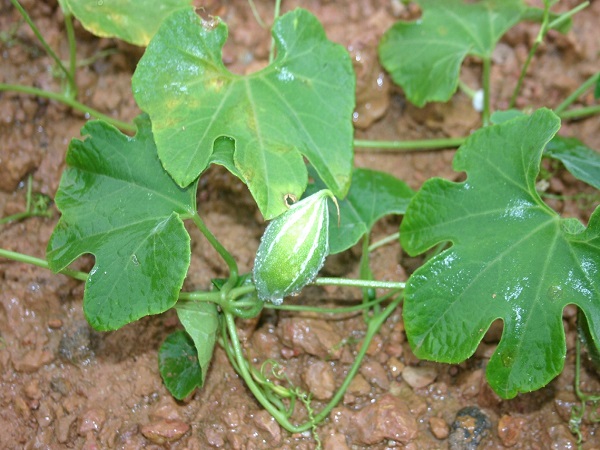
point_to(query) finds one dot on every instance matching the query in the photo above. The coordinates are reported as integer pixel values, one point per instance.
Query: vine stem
(359, 283)
(241, 366)
(419, 144)
(125, 126)
(577, 93)
(47, 48)
(386, 240)
(40, 263)
(221, 250)
(579, 113)
(275, 16)
(487, 68)
(538, 40)
(72, 51)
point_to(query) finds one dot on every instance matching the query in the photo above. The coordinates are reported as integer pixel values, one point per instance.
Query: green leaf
(513, 258)
(134, 21)
(119, 204)
(201, 321)
(597, 89)
(424, 57)
(581, 161)
(300, 105)
(372, 196)
(178, 365)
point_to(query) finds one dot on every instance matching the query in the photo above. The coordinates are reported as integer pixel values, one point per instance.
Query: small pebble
(375, 374)
(320, 379)
(439, 427)
(92, 420)
(509, 430)
(419, 377)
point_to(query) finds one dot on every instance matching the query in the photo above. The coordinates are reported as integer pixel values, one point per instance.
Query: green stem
(538, 40)
(242, 368)
(40, 263)
(579, 113)
(419, 144)
(125, 126)
(222, 251)
(563, 17)
(466, 89)
(591, 81)
(47, 48)
(275, 16)
(202, 296)
(369, 293)
(359, 283)
(336, 310)
(256, 15)
(72, 53)
(372, 329)
(386, 240)
(487, 68)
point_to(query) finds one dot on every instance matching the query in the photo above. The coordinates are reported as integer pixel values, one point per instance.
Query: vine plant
(125, 199)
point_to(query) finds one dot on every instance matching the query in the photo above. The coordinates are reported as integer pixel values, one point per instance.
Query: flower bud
(293, 248)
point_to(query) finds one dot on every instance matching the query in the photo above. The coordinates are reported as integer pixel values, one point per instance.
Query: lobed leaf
(178, 365)
(300, 105)
(372, 195)
(133, 21)
(513, 258)
(119, 204)
(424, 56)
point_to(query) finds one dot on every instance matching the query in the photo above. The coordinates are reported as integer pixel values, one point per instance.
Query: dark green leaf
(201, 321)
(119, 204)
(581, 161)
(513, 258)
(134, 21)
(424, 57)
(372, 196)
(300, 105)
(597, 88)
(178, 365)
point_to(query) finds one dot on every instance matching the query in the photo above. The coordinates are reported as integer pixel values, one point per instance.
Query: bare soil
(63, 385)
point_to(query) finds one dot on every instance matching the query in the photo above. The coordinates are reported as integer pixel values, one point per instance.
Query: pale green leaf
(300, 105)
(201, 321)
(424, 56)
(134, 21)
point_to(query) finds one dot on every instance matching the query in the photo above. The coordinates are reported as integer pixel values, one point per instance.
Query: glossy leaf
(178, 365)
(119, 204)
(512, 258)
(372, 195)
(300, 105)
(424, 56)
(580, 160)
(134, 21)
(201, 322)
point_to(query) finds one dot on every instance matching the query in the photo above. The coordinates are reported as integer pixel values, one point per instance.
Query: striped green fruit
(293, 248)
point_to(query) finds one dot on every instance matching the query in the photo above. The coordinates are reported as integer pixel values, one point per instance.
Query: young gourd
(293, 248)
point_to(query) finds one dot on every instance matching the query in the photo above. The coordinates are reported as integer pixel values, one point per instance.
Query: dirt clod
(163, 431)
(387, 418)
(509, 430)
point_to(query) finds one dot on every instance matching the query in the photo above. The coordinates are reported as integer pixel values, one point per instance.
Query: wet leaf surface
(512, 258)
(299, 106)
(119, 204)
